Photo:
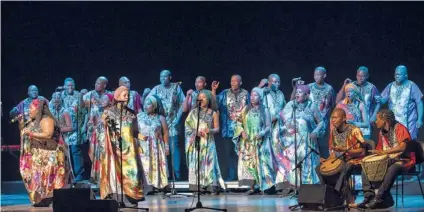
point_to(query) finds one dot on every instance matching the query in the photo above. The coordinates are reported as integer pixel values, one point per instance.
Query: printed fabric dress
(306, 115)
(255, 163)
(43, 165)
(210, 173)
(152, 150)
(110, 175)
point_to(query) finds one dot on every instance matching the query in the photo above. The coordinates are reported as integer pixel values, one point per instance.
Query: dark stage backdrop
(45, 42)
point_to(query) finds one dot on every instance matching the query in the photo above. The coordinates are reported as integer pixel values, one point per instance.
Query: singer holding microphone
(43, 166)
(120, 123)
(344, 139)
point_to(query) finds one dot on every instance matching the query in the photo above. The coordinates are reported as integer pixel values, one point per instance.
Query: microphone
(19, 116)
(60, 88)
(179, 83)
(297, 79)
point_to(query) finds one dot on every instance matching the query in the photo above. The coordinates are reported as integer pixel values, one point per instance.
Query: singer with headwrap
(120, 123)
(210, 173)
(306, 128)
(253, 144)
(153, 142)
(356, 110)
(43, 166)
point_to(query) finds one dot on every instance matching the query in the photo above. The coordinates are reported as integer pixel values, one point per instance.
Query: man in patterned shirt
(172, 98)
(404, 98)
(230, 103)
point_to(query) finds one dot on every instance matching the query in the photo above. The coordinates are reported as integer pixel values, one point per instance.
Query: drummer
(342, 138)
(391, 141)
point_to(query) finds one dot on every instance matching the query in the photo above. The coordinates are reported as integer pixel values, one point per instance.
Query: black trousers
(383, 187)
(339, 181)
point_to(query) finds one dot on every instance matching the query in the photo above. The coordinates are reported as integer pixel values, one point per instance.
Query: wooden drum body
(375, 167)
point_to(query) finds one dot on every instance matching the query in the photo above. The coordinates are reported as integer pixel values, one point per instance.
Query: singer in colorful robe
(95, 101)
(405, 100)
(172, 98)
(307, 131)
(153, 142)
(230, 103)
(134, 101)
(367, 90)
(322, 95)
(274, 102)
(120, 121)
(342, 137)
(23, 106)
(392, 141)
(356, 111)
(67, 129)
(255, 162)
(210, 173)
(43, 166)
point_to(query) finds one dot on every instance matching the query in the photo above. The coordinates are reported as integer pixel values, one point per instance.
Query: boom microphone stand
(197, 143)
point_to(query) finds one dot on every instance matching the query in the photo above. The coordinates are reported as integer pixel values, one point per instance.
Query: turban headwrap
(118, 92)
(351, 86)
(259, 91)
(154, 101)
(304, 88)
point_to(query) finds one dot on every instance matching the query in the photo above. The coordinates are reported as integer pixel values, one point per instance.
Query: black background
(45, 42)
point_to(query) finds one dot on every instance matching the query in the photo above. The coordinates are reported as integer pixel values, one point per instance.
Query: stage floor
(232, 202)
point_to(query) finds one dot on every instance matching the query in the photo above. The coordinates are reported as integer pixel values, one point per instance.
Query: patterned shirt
(230, 106)
(322, 97)
(350, 136)
(172, 99)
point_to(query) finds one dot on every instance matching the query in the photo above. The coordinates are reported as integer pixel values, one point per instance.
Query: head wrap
(259, 91)
(351, 86)
(153, 101)
(304, 88)
(118, 92)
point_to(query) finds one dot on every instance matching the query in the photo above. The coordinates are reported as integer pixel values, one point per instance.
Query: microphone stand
(299, 166)
(121, 203)
(296, 189)
(197, 144)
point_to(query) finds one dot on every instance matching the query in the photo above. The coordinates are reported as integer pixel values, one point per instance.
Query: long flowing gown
(43, 166)
(110, 175)
(152, 150)
(255, 163)
(95, 132)
(306, 116)
(210, 173)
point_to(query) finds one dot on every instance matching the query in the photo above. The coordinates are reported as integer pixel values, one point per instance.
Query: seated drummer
(391, 141)
(342, 137)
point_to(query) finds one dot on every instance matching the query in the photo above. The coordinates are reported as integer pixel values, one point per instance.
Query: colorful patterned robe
(23, 107)
(308, 120)
(95, 132)
(71, 104)
(152, 150)
(368, 92)
(353, 113)
(172, 99)
(403, 101)
(210, 173)
(230, 106)
(42, 165)
(110, 175)
(275, 102)
(323, 97)
(255, 163)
